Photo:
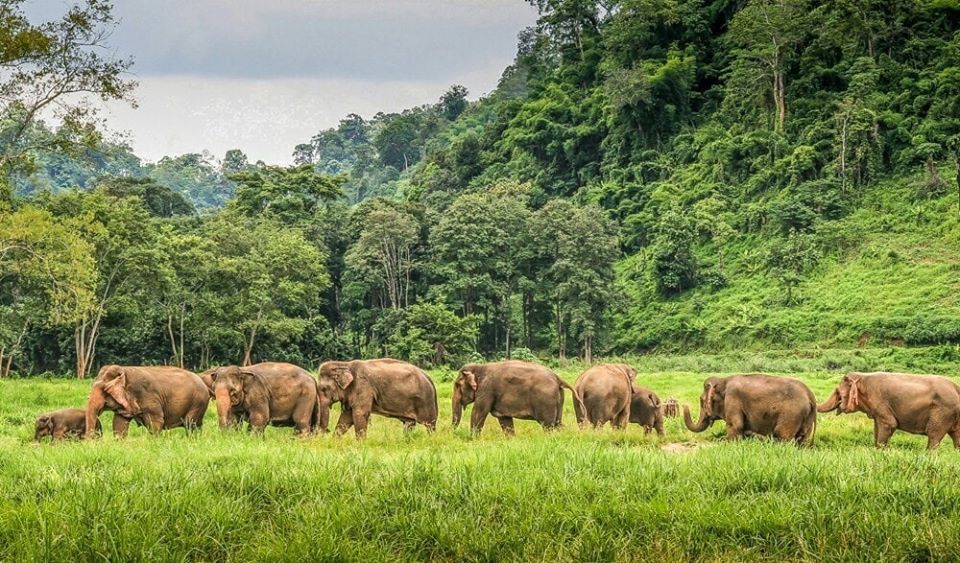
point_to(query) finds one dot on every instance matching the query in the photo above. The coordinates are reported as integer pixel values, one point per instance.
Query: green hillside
(649, 175)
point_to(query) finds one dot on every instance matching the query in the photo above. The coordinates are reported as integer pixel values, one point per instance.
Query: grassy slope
(891, 270)
(570, 495)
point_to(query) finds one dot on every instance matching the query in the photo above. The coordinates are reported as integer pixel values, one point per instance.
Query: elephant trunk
(457, 407)
(222, 397)
(831, 404)
(323, 415)
(94, 407)
(700, 425)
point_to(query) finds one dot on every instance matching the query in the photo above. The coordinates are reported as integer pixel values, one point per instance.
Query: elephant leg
(955, 436)
(481, 408)
(344, 422)
(58, 434)
(882, 432)
(735, 428)
(120, 426)
(408, 424)
(153, 421)
(785, 430)
(506, 424)
(258, 421)
(622, 418)
(360, 421)
(303, 417)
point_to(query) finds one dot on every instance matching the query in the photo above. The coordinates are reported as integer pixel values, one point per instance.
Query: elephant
(645, 410)
(927, 405)
(511, 389)
(61, 424)
(606, 391)
(384, 386)
(757, 404)
(156, 397)
(275, 393)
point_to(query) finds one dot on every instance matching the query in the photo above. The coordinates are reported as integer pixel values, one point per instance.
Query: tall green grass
(570, 495)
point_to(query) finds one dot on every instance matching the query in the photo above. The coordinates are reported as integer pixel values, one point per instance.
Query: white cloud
(264, 118)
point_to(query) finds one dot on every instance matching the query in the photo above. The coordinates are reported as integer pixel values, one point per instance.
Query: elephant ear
(711, 391)
(343, 377)
(208, 378)
(853, 396)
(248, 379)
(471, 379)
(117, 389)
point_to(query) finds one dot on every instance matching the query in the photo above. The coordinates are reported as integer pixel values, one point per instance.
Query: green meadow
(570, 495)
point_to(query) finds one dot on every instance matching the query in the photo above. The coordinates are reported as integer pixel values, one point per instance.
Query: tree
(480, 251)
(234, 161)
(454, 101)
(765, 35)
(578, 246)
(266, 282)
(429, 335)
(196, 176)
(385, 250)
(789, 260)
(159, 200)
(47, 276)
(396, 142)
(291, 194)
(125, 250)
(674, 264)
(54, 67)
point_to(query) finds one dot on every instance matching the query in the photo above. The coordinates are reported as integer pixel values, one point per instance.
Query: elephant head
(332, 383)
(44, 427)
(846, 397)
(231, 385)
(464, 391)
(111, 390)
(711, 405)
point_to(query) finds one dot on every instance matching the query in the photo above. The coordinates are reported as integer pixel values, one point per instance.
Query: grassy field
(571, 495)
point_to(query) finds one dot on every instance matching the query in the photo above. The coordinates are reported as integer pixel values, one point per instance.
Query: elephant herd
(282, 394)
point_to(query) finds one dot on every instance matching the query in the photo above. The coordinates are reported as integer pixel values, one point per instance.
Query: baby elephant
(646, 411)
(66, 423)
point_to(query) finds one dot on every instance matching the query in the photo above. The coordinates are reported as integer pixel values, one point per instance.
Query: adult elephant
(385, 386)
(757, 404)
(156, 397)
(927, 405)
(508, 390)
(645, 410)
(606, 391)
(275, 393)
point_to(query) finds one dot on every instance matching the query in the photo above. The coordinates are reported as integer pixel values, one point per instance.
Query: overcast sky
(264, 75)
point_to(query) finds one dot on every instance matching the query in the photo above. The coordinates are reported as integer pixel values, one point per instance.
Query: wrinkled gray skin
(62, 424)
(927, 405)
(509, 390)
(757, 404)
(385, 386)
(274, 393)
(606, 391)
(645, 410)
(156, 397)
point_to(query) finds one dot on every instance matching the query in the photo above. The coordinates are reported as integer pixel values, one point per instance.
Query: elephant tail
(577, 399)
(810, 428)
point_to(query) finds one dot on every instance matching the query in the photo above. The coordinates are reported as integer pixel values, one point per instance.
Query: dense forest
(648, 175)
